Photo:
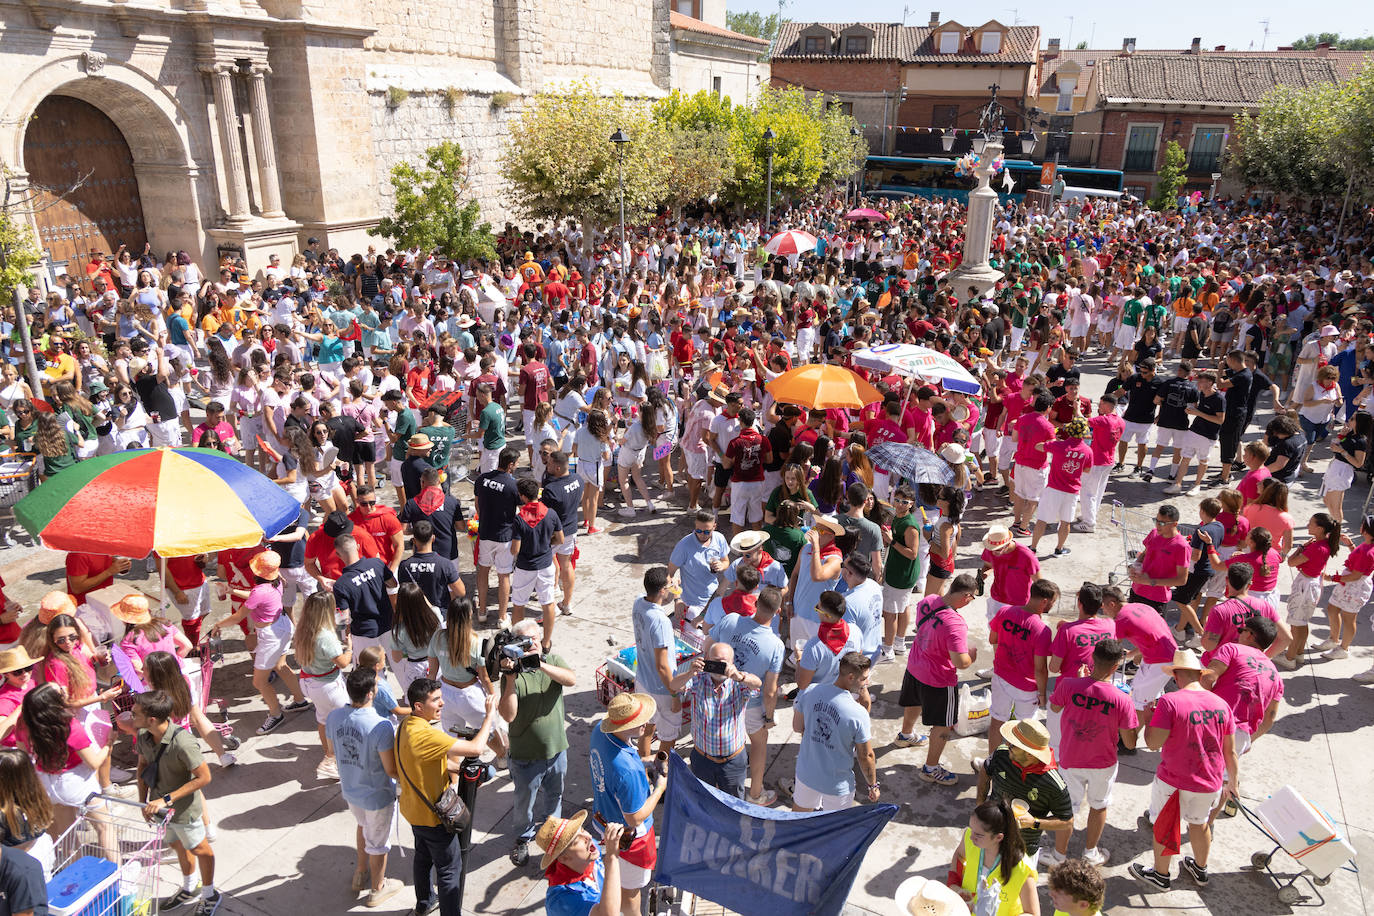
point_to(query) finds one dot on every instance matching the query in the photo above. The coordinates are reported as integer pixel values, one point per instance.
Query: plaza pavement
(285, 845)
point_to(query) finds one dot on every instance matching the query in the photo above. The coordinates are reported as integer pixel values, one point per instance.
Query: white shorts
(806, 797)
(1148, 684)
(71, 788)
(1017, 335)
(568, 547)
(328, 694)
(167, 433)
(753, 719)
(1006, 451)
(746, 501)
(464, 707)
(1180, 324)
(1079, 327)
(1194, 807)
(537, 583)
(393, 468)
(1198, 446)
(488, 460)
(408, 671)
(497, 555)
(1243, 741)
(1164, 436)
(1010, 703)
(667, 724)
(1303, 600)
(197, 603)
(589, 472)
(1056, 506)
(697, 464)
(1136, 432)
(630, 458)
(1125, 337)
(632, 877)
(376, 826)
(273, 641)
(1093, 785)
(896, 600)
(994, 608)
(1106, 323)
(1338, 477)
(1030, 482)
(527, 421)
(1351, 597)
(992, 443)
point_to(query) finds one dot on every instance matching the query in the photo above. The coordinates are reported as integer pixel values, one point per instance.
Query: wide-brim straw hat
(132, 609)
(627, 711)
(1030, 736)
(16, 658)
(266, 565)
(1184, 660)
(918, 896)
(998, 538)
(556, 834)
(747, 540)
(53, 604)
(829, 523)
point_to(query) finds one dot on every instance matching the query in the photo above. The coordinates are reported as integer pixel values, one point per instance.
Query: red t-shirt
(534, 377)
(1013, 571)
(943, 633)
(236, 570)
(1021, 638)
(1226, 618)
(1107, 429)
(883, 430)
(381, 523)
(1032, 429)
(1249, 684)
(186, 572)
(9, 632)
(1068, 460)
(87, 564)
(748, 450)
(320, 547)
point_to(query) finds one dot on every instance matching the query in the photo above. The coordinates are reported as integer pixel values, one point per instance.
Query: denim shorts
(1313, 432)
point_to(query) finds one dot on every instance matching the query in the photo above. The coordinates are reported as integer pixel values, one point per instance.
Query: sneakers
(297, 706)
(626, 512)
(900, 646)
(1096, 857)
(1021, 531)
(1173, 488)
(390, 888)
(1060, 552)
(230, 742)
(595, 530)
(1325, 645)
(1051, 856)
(228, 760)
(270, 724)
(1286, 663)
(520, 854)
(938, 775)
(1194, 871)
(652, 508)
(1192, 491)
(909, 740)
(1145, 473)
(766, 800)
(328, 769)
(1364, 677)
(1335, 654)
(209, 906)
(1082, 528)
(1149, 877)
(180, 898)
(885, 654)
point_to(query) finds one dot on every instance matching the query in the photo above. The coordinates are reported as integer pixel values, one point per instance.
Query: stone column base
(255, 239)
(347, 235)
(984, 276)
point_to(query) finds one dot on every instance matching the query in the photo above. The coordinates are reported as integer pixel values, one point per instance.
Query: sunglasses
(67, 640)
(1164, 521)
(21, 671)
(368, 505)
(701, 531)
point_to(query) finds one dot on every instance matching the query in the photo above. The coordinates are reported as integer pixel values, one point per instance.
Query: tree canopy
(429, 212)
(1310, 41)
(752, 22)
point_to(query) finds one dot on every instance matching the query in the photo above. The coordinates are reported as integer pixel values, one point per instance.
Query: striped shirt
(718, 715)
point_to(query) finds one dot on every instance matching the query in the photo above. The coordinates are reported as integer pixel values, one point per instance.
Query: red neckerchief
(834, 635)
(764, 562)
(430, 500)
(1035, 769)
(739, 603)
(559, 874)
(533, 513)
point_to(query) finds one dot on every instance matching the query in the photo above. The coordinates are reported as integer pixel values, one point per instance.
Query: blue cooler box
(87, 887)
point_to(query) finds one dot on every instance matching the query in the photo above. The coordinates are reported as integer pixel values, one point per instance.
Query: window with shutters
(1205, 154)
(815, 44)
(1142, 144)
(856, 44)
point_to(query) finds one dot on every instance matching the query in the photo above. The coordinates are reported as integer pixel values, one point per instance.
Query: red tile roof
(908, 44)
(1216, 78)
(687, 23)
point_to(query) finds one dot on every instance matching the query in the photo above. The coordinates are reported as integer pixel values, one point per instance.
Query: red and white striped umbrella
(793, 241)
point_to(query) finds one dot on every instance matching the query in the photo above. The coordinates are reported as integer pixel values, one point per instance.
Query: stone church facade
(252, 125)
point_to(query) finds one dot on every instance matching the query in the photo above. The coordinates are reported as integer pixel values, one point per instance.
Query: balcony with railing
(1204, 162)
(1139, 160)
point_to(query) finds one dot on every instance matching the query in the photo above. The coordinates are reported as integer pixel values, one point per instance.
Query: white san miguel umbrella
(793, 241)
(919, 362)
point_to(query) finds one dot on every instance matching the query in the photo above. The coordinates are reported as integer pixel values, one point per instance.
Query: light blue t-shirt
(835, 723)
(758, 650)
(808, 592)
(693, 558)
(385, 703)
(360, 736)
(653, 630)
(816, 656)
(863, 609)
(619, 782)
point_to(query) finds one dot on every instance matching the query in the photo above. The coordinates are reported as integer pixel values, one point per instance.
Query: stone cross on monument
(974, 270)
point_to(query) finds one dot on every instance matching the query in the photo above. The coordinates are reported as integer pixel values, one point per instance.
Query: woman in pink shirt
(16, 671)
(1259, 554)
(67, 758)
(1310, 562)
(1270, 510)
(144, 635)
(1353, 587)
(70, 666)
(1254, 456)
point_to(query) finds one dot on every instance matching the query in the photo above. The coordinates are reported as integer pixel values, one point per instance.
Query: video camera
(521, 651)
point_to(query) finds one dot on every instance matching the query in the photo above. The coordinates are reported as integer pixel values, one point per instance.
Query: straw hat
(747, 540)
(627, 711)
(998, 539)
(466, 322)
(266, 565)
(556, 835)
(829, 523)
(133, 609)
(55, 603)
(419, 443)
(918, 896)
(1030, 736)
(1184, 660)
(16, 658)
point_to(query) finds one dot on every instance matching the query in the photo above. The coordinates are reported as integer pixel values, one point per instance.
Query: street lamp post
(974, 270)
(768, 138)
(855, 134)
(621, 140)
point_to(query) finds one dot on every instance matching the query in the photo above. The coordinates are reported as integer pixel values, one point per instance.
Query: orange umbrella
(821, 386)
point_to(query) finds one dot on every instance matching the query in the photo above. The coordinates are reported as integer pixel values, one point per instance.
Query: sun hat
(627, 711)
(16, 658)
(1031, 736)
(998, 538)
(918, 896)
(266, 565)
(55, 603)
(1330, 331)
(419, 443)
(466, 322)
(747, 540)
(556, 835)
(136, 366)
(953, 452)
(828, 522)
(133, 609)
(1184, 660)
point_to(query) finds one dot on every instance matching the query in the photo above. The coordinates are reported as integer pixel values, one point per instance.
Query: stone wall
(449, 28)
(611, 41)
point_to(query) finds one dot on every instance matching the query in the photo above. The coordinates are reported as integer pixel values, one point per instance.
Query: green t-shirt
(459, 674)
(492, 423)
(327, 648)
(175, 768)
(84, 422)
(1131, 312)
(1155, 314)
(1197, 283)
(538, 731)
(776, 497)
(784, 545)
(900, 571)
(406, 426)
(442, 437)
(52, 465)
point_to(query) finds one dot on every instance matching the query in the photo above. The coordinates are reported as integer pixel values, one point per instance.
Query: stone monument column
(236, 176)
(974, 269)
(263, 145)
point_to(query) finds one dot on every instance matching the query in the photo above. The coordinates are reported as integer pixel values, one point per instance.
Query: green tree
(751, 22)
(1081, 46)
(699, 163)
(1310, 41)
(429, 212)
(18, 248)
(560, 161)
(699, 111)
(1287, 143)
(1172, 176)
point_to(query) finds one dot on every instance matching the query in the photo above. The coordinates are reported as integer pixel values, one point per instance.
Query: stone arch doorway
(66, 140)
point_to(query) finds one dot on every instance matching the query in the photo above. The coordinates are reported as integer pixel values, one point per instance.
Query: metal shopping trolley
(106, 863)
(18, 477)
(1306, 835)
(1134, 525)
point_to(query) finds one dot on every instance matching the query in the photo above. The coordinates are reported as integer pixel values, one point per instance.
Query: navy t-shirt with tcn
(361, 590)
(564, 496)
(434, 574)
(536, 538)
(496, 505)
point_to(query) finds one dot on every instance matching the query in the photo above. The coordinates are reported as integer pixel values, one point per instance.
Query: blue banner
(760, 860)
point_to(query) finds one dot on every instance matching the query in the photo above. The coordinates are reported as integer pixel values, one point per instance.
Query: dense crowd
(575, 375)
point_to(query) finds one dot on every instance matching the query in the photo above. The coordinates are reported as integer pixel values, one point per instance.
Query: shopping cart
(1318, 857)
(199, 667)
(106, 863)
(1134, 525)
(460, 454)
(18, 476)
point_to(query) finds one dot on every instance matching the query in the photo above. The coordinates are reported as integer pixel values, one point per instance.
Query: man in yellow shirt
(428, 760)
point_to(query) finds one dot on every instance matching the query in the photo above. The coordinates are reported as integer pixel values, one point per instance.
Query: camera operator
(720, 692)
(532, 703)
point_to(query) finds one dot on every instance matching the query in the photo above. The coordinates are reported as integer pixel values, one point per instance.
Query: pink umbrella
(865, 213)
(793, 241)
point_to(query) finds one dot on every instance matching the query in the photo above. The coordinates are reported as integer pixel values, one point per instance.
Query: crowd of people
(578, 375)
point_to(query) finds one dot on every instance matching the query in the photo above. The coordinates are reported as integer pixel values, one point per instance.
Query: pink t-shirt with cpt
(1094, 714)
(1021, 638)
(1147, 631)
(944, 632)
(1074, 642)
(1248, 685)
(1198, 722)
